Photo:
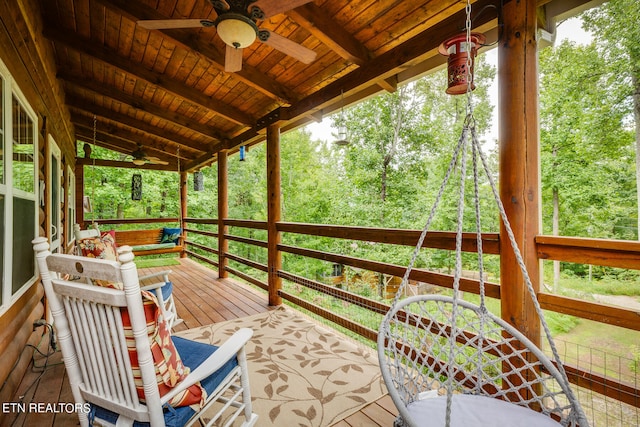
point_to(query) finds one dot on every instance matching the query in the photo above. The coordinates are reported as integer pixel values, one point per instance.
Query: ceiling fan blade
(274, 7)
(233, 59)
(291, 48)
(162, 24)
(156, 161)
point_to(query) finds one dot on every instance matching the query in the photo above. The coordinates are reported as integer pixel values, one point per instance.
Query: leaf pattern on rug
(301, 373)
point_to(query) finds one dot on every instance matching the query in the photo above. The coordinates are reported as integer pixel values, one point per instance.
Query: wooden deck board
(201, 299)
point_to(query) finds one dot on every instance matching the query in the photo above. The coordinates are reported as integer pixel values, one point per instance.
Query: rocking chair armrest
(164, 274)
(153, 286)
(222, 355)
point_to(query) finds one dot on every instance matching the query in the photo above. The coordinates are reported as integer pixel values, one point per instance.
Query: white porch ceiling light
(236, 30)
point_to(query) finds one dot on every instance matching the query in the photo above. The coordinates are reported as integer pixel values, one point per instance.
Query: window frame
(11, 90)
(70, 212)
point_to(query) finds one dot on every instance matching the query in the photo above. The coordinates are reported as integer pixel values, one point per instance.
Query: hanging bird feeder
(243, 153)
(461, 60)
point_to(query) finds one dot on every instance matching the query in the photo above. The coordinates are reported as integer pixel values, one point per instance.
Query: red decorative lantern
(456, 49)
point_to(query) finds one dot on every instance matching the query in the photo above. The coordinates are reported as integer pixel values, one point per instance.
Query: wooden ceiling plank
(82, 19)
(126, 37)
(136, 124)
(180, 65)
(139, 103)
(416, 21)
(323, 27)
(152, 77)
(411, 52)
(187, 39)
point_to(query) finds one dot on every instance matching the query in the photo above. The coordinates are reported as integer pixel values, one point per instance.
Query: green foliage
(110, 191)
(584, 141)
(634, 365)
(560, 323)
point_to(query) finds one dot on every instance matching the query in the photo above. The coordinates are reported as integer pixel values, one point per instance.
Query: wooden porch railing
(595, 251)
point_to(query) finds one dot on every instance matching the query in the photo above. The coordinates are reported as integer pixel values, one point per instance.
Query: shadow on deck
(202, 299)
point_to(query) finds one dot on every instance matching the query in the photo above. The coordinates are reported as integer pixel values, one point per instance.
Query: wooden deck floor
(202, 298)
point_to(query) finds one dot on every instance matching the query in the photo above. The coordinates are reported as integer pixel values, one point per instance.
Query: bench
(147, 242)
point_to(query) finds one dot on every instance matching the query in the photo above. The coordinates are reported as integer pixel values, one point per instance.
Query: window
(18, 191)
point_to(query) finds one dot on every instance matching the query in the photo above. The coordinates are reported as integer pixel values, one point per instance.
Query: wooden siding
(16, 335)
(30, 62)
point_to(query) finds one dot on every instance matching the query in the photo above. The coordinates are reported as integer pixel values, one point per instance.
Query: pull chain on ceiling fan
(237, 26)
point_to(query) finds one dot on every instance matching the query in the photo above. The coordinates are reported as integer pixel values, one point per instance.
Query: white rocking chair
(161, 286)
(101, 354)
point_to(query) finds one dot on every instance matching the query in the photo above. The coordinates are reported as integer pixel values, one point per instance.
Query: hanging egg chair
(447, 362)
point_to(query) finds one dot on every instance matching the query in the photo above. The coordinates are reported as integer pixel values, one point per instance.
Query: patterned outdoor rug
(302, 374)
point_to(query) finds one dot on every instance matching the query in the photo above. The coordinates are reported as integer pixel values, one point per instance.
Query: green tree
(616, 28)
(110, 191)
(586, 152)
(400, 147)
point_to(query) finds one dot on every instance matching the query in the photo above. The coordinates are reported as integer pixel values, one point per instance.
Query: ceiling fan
(237, 26)
(140, 158)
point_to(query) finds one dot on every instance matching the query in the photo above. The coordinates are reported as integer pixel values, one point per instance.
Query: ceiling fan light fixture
(236, 30)
(138, 162)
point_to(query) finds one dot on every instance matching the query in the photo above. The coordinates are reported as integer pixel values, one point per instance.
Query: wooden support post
(79, 195)
(274, 257)
(183, 210)
(519, 162)
(223, 213)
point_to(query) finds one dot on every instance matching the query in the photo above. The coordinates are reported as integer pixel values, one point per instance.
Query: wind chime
(136, 187)
(342, 129)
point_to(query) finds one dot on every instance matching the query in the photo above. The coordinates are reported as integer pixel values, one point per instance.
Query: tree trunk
(556, 226)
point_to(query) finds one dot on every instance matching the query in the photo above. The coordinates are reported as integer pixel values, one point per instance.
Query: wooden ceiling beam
(390, 84)
(126, 141)
(136, 11)
(323, 27)
(140, 104)
(409, 54)
(112, 59)
(114, 143)
(406, 55)
(139, 125)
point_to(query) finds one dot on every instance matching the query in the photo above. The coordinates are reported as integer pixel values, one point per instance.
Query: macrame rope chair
(448, 362)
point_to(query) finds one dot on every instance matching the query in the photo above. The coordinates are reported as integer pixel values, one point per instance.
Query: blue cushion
(193, 354)
(170, 235)
(166, 290)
